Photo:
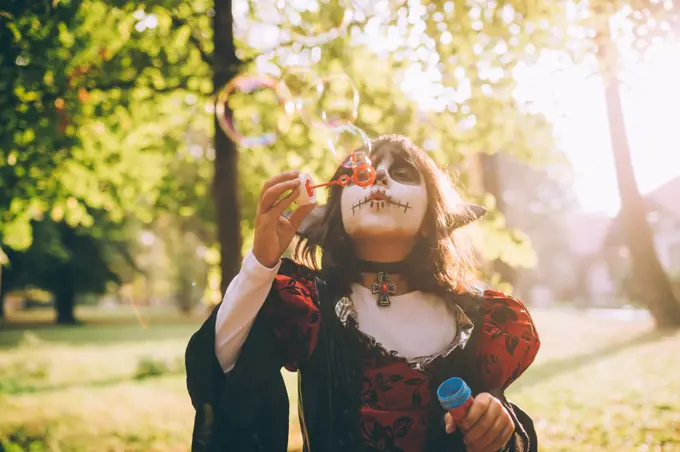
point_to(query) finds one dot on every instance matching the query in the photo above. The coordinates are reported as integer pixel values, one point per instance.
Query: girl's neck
(401, 285)
(382, 249)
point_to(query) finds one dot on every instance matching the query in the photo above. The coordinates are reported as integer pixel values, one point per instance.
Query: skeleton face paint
(394, 206)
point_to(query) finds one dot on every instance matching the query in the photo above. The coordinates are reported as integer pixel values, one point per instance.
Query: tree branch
(176, 21)
(128, 258)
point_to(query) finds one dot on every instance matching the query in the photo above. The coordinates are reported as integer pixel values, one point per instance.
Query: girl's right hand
(273, 231)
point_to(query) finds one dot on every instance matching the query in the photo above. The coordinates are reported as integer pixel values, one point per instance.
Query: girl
(388, 315)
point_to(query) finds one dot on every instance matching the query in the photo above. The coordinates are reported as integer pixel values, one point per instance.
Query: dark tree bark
(65, 298)
(2, 300)
(225, 183)
(185, 296)
(648, 274)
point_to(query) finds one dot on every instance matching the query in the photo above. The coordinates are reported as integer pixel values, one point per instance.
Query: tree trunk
(65, 299)
(185, 296)
(225, 183)
(65, 305)
(492, 184)
(2, 300)
(648, 274)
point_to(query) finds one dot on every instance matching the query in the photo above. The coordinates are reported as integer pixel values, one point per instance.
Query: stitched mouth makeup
(380, 200)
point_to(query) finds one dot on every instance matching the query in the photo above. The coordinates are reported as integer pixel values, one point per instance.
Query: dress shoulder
(508, 340)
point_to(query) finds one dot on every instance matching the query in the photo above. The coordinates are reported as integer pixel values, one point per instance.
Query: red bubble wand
(363, 174)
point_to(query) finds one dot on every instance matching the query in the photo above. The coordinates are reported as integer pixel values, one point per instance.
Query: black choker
(381, 267)
(383, 287)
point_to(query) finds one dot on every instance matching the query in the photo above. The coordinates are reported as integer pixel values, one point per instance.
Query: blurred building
(597, 268)
(537, 200)
(582, 258)
(593, 283)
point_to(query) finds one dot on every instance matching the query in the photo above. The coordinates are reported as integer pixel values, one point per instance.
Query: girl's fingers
(282, 177)
(284, 203)
(450, 423)
(273, 193)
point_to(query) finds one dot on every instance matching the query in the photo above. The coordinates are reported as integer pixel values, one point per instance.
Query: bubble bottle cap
(453, 393)
(307, 195)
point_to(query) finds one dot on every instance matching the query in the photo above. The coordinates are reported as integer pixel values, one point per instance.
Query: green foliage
(466, 52)
(35, 138)
(109, 104)
(68, 261)
(122, 108)
(21, 441)
(149, 367)
(22, 377)
(108, 95)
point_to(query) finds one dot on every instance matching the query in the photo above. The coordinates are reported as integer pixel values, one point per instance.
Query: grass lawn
(595, 386)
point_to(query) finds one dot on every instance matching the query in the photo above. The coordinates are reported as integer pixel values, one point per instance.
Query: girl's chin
(382, 231)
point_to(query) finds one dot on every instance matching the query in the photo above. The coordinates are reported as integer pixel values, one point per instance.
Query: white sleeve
(242, 301)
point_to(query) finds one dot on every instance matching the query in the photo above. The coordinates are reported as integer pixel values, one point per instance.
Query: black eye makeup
(400, 169)
(404, 173)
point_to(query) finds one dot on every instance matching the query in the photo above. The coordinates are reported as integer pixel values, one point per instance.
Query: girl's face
(394, 206)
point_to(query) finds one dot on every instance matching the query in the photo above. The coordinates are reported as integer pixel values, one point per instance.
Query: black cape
(248, 408)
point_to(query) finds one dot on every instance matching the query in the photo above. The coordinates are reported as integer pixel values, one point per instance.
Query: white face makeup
(394, 206)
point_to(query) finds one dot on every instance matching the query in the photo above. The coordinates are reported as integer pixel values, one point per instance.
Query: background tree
(92, 91)
(35, 140)
(3, 261)
(68, 262)
(452, 47)
(639, 26)
(142, 79)
(225, 187)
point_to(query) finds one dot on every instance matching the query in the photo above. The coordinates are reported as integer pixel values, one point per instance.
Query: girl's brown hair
(441, 261)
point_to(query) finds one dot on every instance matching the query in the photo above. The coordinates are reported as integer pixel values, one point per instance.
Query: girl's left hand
(487, 427)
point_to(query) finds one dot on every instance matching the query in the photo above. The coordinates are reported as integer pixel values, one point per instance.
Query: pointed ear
(463, 215)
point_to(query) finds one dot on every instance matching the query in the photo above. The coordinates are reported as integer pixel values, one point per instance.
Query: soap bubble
(331, 101)
(346, 139)
(337, 100)
(356, 159)
(351, 146)
(315, 22)
(301, 83)
(352, 142)
(363, 173)
(253, 110)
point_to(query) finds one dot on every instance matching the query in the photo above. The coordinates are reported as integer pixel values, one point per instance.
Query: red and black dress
(354, 395)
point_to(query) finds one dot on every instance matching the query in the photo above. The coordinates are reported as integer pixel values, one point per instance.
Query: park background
(125, 209)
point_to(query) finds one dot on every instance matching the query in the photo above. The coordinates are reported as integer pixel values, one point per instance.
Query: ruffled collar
(347, 314)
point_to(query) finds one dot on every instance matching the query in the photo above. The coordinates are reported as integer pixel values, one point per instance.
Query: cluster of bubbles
(255, 110)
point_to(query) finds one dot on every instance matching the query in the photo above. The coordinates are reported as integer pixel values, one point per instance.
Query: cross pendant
(384, 289)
